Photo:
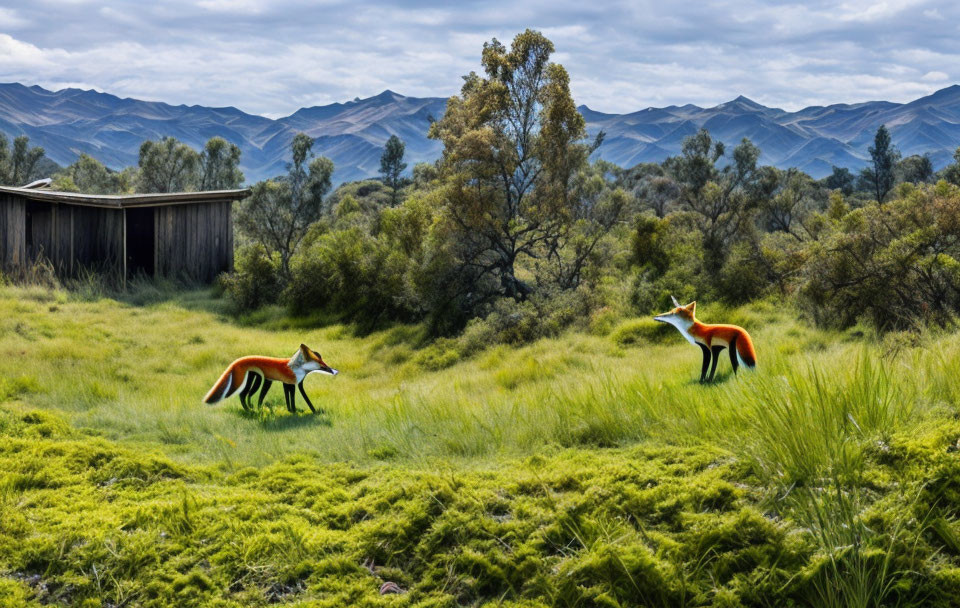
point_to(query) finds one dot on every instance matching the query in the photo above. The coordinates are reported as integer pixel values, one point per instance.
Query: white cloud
(16, 54)
(246, 7)
(10, 19)
(273, 56)
(935, 77)
(871, 10)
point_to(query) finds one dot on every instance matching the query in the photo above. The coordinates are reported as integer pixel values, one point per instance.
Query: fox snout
(666, 317)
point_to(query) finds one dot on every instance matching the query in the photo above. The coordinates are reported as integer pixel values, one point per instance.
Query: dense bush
(349, 271)
(541, 316)
(369, 262)
(255, 280)
(894, 264)
(366, 196)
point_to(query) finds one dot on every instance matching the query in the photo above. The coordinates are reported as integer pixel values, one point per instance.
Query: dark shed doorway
(140, 241)
(38, 229)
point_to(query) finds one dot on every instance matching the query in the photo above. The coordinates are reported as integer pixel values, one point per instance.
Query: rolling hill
(73, 121)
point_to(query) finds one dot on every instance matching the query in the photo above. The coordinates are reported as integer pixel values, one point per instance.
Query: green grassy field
(590, 469)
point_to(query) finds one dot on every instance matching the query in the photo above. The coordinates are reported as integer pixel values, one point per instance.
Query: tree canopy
(87, 174)
(220, 165)
(278, 212)
(513, 142)
(392, 165)
(721, 195)
(17, 164)
(168, 165)
(880, 177)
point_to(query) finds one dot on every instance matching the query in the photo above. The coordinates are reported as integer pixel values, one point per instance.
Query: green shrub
(744, 275)
(541, 316)
(255, 282)
(668, 256)
(602, 321)
(895, 264)
(441, 354)
(354, 274)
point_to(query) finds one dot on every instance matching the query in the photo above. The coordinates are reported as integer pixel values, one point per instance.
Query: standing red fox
(711, 339)
(246, 374)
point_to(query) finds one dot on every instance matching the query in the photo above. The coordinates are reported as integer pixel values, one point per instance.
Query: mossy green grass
(585, 470)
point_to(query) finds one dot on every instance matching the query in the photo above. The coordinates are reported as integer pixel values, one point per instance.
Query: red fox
(246, 374)
(711, 339)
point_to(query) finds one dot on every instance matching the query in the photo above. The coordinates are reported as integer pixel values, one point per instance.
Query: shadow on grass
(272, 420)
(718, 379)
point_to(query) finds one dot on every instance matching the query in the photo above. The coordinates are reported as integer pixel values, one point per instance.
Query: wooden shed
(182, 235)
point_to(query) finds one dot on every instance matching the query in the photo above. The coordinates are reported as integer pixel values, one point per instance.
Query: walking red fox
(711, 339)
(246, 374)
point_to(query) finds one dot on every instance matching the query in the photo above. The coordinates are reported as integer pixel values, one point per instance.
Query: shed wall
(191, 241)
(194, 241)
(72, 237)
(12, 232)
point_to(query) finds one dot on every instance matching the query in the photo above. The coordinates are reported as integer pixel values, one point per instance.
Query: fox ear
(675, 302)
(692, 306)
(305, 348)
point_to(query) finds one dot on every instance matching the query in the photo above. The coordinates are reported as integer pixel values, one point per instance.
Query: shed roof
(121, 201)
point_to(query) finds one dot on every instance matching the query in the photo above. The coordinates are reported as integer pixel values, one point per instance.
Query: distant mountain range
(813, 139)
(73, 121)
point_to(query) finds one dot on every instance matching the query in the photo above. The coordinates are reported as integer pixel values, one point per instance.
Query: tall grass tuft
(857, 566)
(801, 426)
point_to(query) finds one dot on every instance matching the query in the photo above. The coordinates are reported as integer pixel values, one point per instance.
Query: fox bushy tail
(222, 389)
(745, 351)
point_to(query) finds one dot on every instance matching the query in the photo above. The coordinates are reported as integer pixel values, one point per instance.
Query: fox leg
(291, 397)
(253, 385)
(263, 391)
(305, 398)
(716, 357)
(706, 361)
(243, 398)
(733, 355)
(247, 389)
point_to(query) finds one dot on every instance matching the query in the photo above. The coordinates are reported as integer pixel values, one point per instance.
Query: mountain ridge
(72, 121)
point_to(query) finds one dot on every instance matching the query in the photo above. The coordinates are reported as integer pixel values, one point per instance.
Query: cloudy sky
(271, 57)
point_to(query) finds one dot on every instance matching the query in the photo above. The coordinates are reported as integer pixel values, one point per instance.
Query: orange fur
(724, 335)
(271, 368)
(715, 335)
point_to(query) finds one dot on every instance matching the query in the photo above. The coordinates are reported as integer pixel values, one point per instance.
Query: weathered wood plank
(40, 231)
(191, 241)
(73, 241)
(156, 243)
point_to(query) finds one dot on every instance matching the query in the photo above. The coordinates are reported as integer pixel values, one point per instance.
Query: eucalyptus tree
(168, 165)
(916, 169)
(17, 164)
(786, 197)
(220, 165)
(392, 166)
(951, 172)
(88, 175)
(880, 177)
(841, 179)
(513, 141)
(721, 196)
(279, 211)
